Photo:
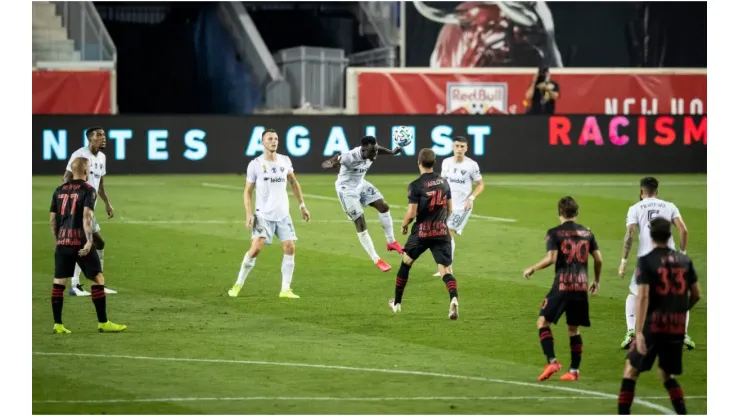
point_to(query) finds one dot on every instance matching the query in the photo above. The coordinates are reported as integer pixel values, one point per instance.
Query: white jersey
(96, 167)
(645, 211)
(352, 169)
(460, 176)
(270, 182)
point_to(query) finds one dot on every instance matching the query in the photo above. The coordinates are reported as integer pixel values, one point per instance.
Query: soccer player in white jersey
(93, 153)
(461, 173)
(638, 221)
(267, 175)
(355, 193)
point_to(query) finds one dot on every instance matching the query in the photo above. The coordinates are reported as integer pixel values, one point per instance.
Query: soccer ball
(403, 136)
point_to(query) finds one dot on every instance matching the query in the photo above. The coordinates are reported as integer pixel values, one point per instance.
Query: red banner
(72, 92)
(433, 92)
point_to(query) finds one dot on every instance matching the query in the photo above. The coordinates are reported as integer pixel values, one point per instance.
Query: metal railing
(84, 25)
(384, 16)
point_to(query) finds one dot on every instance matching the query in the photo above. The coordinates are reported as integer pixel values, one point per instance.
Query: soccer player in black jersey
(71, 219)
(430, 203)
(568, 246)
(667, 288)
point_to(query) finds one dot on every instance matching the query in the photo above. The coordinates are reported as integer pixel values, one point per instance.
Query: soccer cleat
(628, 339)
(111, 327)
(234, 291)
(78, 291)
(688, 342)
(394, 246)
(60, 329)
(395, 307)
(109, 291)
(382, 265)
(289, 294)
(454, 309)
(550, 369)
(570, 376)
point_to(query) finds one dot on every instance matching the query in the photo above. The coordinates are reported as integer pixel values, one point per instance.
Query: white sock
(687, 322)
(100, 254)
(387, 222)
(287, 269)
(247, 264)
(629, 311)
(76, 276)
(367, 243)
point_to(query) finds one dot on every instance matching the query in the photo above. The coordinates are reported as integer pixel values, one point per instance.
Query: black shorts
(573, 304)
(441, 249)
(65, 259)
(669, 350)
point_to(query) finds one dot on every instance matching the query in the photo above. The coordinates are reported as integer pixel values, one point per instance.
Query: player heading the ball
(355, 193)
(267, 176)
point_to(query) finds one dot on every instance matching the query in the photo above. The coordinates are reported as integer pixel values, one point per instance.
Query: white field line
(547, 386)
(338, 399)
(189, 222)
(607, 183)
(328, 198)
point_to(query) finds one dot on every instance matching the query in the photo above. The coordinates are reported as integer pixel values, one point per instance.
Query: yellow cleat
(234, 291)
(111, 327)
(289, 294)
(60, 329)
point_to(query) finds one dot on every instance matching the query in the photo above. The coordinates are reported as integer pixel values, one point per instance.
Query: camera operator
(542, 93)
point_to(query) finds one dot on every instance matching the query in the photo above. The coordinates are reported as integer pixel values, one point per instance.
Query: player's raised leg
(352, 206)
(386, 221)
(286, 234)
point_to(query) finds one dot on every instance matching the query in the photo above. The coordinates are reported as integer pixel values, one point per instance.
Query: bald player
(71, 219)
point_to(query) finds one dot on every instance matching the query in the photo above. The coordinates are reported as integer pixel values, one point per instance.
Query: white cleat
(109, 291)
(78, 291)
(437, 274)
(454, 309)
(395, 307)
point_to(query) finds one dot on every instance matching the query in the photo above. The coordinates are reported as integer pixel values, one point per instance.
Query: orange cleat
(570, 376)
(394, 246)
(382, 265)
(550, 369)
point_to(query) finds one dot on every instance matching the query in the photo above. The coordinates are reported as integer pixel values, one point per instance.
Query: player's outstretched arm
(332, 163)
(683, 232)
(547, 261)
(385, 151)
(104, 196)
(299, 196)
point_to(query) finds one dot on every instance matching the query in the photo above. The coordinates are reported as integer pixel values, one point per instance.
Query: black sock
(626, 395)
(676, 393)
(451, 284)
(57, 302)
(576, 349)
(98, 298)
(548, 344)
(401, 279)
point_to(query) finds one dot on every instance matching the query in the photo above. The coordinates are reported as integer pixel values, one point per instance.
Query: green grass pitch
(174, 250)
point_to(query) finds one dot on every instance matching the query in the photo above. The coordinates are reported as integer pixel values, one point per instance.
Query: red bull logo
(476, 98)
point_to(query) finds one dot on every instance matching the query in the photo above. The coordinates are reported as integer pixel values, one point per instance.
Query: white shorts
(458, 219)
(268, 229)
(354, 200)
(96, 225)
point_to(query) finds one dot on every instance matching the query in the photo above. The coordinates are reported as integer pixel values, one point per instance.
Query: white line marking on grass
(329, 198)
(653, 406)
(337, 399)
(187, 222)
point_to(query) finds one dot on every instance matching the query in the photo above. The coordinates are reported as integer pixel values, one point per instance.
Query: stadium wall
(510, 144)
